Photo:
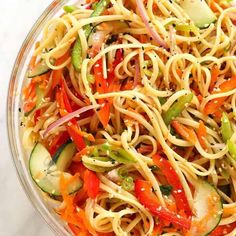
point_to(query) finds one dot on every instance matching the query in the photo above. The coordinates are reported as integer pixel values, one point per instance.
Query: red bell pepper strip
(60, 139)
(72, 126)
(146, 197)
(223, 229)
(111, 75)
(91, 182)
(101, 87)
(173, 180)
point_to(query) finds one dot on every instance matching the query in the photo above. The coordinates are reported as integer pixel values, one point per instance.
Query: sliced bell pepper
(58, 141)
(101, 87)
(213, 105)
(174, 181)
(113, 83)
(91, 182)
(146, 197)
(223, 229)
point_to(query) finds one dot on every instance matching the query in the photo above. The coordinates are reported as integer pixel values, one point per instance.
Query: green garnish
(166, 189)
(128, 183)
(177, 108)
(226, 127)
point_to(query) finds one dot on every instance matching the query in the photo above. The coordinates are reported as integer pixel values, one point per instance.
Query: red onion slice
(149, 26)
(68, 117)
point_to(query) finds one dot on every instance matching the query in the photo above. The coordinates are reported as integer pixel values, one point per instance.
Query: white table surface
(17, 215)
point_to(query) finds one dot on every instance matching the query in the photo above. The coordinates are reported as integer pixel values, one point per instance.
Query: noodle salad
(129, 113)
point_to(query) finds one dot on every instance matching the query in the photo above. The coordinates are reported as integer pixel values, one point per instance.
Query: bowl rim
(13, 138)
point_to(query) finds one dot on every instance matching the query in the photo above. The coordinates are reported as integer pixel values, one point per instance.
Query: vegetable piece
(213, 105)
(201, 134)
(45, 173)
(39, 95)
(146, 197)
(68, 117)
(58, 141)
(91, 182)
(214, 76)
(149, 26)
(65, 108)
(174, 181)
(102, 87)
(69, 9)
(193, 7)
(226, 128)
(166, 189)
(40, 69)
(186, 28)
(63, 156)
(76, 55)
(128, 183)
(177, 108)
(208, 208)
(57, 75)
(95, 168)
(120, 155)
(232, 149)
(223, 229)
(187, 133)
(34, 98)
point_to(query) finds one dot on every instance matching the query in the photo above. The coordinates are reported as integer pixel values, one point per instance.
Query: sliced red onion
(68, 117)
(147, 23)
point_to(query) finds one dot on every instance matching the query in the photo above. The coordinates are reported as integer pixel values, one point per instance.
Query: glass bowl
(19, 155)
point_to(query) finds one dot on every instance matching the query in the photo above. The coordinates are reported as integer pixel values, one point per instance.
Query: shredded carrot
(82, 216)
(57, 75)
(213, 105)
(86, 151)
(187, 133)
(201, 134)
(214, 76)
(157, 229)
(212, 5)
(71, 213)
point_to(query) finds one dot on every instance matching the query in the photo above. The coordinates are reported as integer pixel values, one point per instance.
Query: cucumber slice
(40, 69)
(199, 12)
(208, 209)
(63, 156)
(45, 173)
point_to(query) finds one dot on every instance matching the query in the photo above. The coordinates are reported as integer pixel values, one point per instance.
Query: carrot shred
(201, 134)
(214, 76)
(213, 105)
(187, 133)
(57, 75)
(86, 151)
(71, 213)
